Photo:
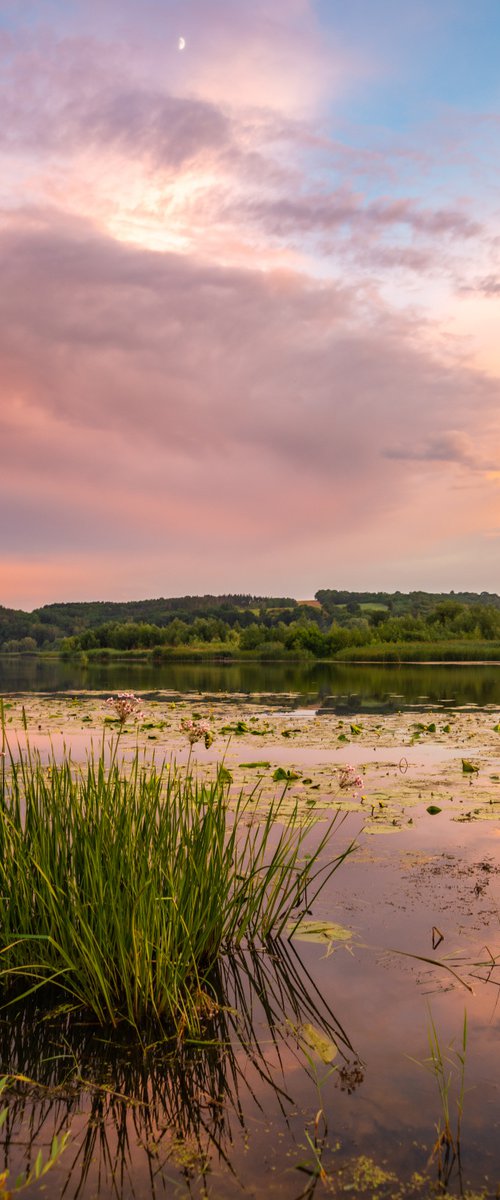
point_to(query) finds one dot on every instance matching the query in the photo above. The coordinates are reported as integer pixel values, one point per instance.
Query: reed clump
(123, 882)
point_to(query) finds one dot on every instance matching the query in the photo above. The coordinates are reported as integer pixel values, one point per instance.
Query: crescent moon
(181, 43)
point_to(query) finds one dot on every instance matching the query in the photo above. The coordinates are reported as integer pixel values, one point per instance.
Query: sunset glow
(250, 297)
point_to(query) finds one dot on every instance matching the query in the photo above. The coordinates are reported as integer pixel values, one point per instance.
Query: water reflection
(337, 687)
(148, 1118)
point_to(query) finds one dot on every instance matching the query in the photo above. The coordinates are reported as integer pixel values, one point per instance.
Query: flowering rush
(125, 704)
(348, 778)
(196, 730)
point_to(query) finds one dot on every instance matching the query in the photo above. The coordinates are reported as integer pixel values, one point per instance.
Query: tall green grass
(412, 652)
(123, 882)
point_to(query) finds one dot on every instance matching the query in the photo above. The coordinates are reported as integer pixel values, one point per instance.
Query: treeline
(45, 628)
(399, 604)
(375, 625)
(448, 625)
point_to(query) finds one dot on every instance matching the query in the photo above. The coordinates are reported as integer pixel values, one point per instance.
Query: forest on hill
(337, 623)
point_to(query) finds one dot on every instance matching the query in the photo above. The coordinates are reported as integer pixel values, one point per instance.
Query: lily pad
(323, 1046)
(239, 727)
(323, 932)
(469, 767)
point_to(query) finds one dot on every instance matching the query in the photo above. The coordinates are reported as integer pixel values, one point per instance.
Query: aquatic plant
(349, 778)
(196, 730)
(125, 704)
(40, 1167)
(442, 1065)
(122, 882)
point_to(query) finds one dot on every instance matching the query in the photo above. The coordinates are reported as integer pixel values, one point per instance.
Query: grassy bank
(178, 654)
(446, 650)
(401, 652)
(380, 652)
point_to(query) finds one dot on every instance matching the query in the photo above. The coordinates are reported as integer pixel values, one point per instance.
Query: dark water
(340, 687)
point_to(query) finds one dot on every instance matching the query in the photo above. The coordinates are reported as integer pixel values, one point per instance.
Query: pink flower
(196, 730)
(348, 778)
(125, 705)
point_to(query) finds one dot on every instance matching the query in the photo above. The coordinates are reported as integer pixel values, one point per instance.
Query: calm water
(340, 687)
(240, 1116)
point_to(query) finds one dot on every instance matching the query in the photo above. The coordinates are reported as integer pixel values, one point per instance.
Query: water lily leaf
(468, 767)
(433, 809)
(342, 738)
(238, 727)
(323, 932)
(224, 775)
(323, 1046)
(355, 729)
(264, 765)
(281, 774)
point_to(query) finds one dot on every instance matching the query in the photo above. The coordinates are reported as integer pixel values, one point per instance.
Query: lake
(345, 687)
(405, 940)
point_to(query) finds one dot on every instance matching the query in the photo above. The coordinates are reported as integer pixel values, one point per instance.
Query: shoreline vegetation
(393, 654)
(350, 627)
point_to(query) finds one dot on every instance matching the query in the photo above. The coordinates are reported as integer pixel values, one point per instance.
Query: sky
(250, 298)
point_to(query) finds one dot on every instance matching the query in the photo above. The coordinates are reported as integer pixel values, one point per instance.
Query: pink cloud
(207, 351)
(158, 400)
(450, 446)
(88, 127)
(489, 286)
(315, 212)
